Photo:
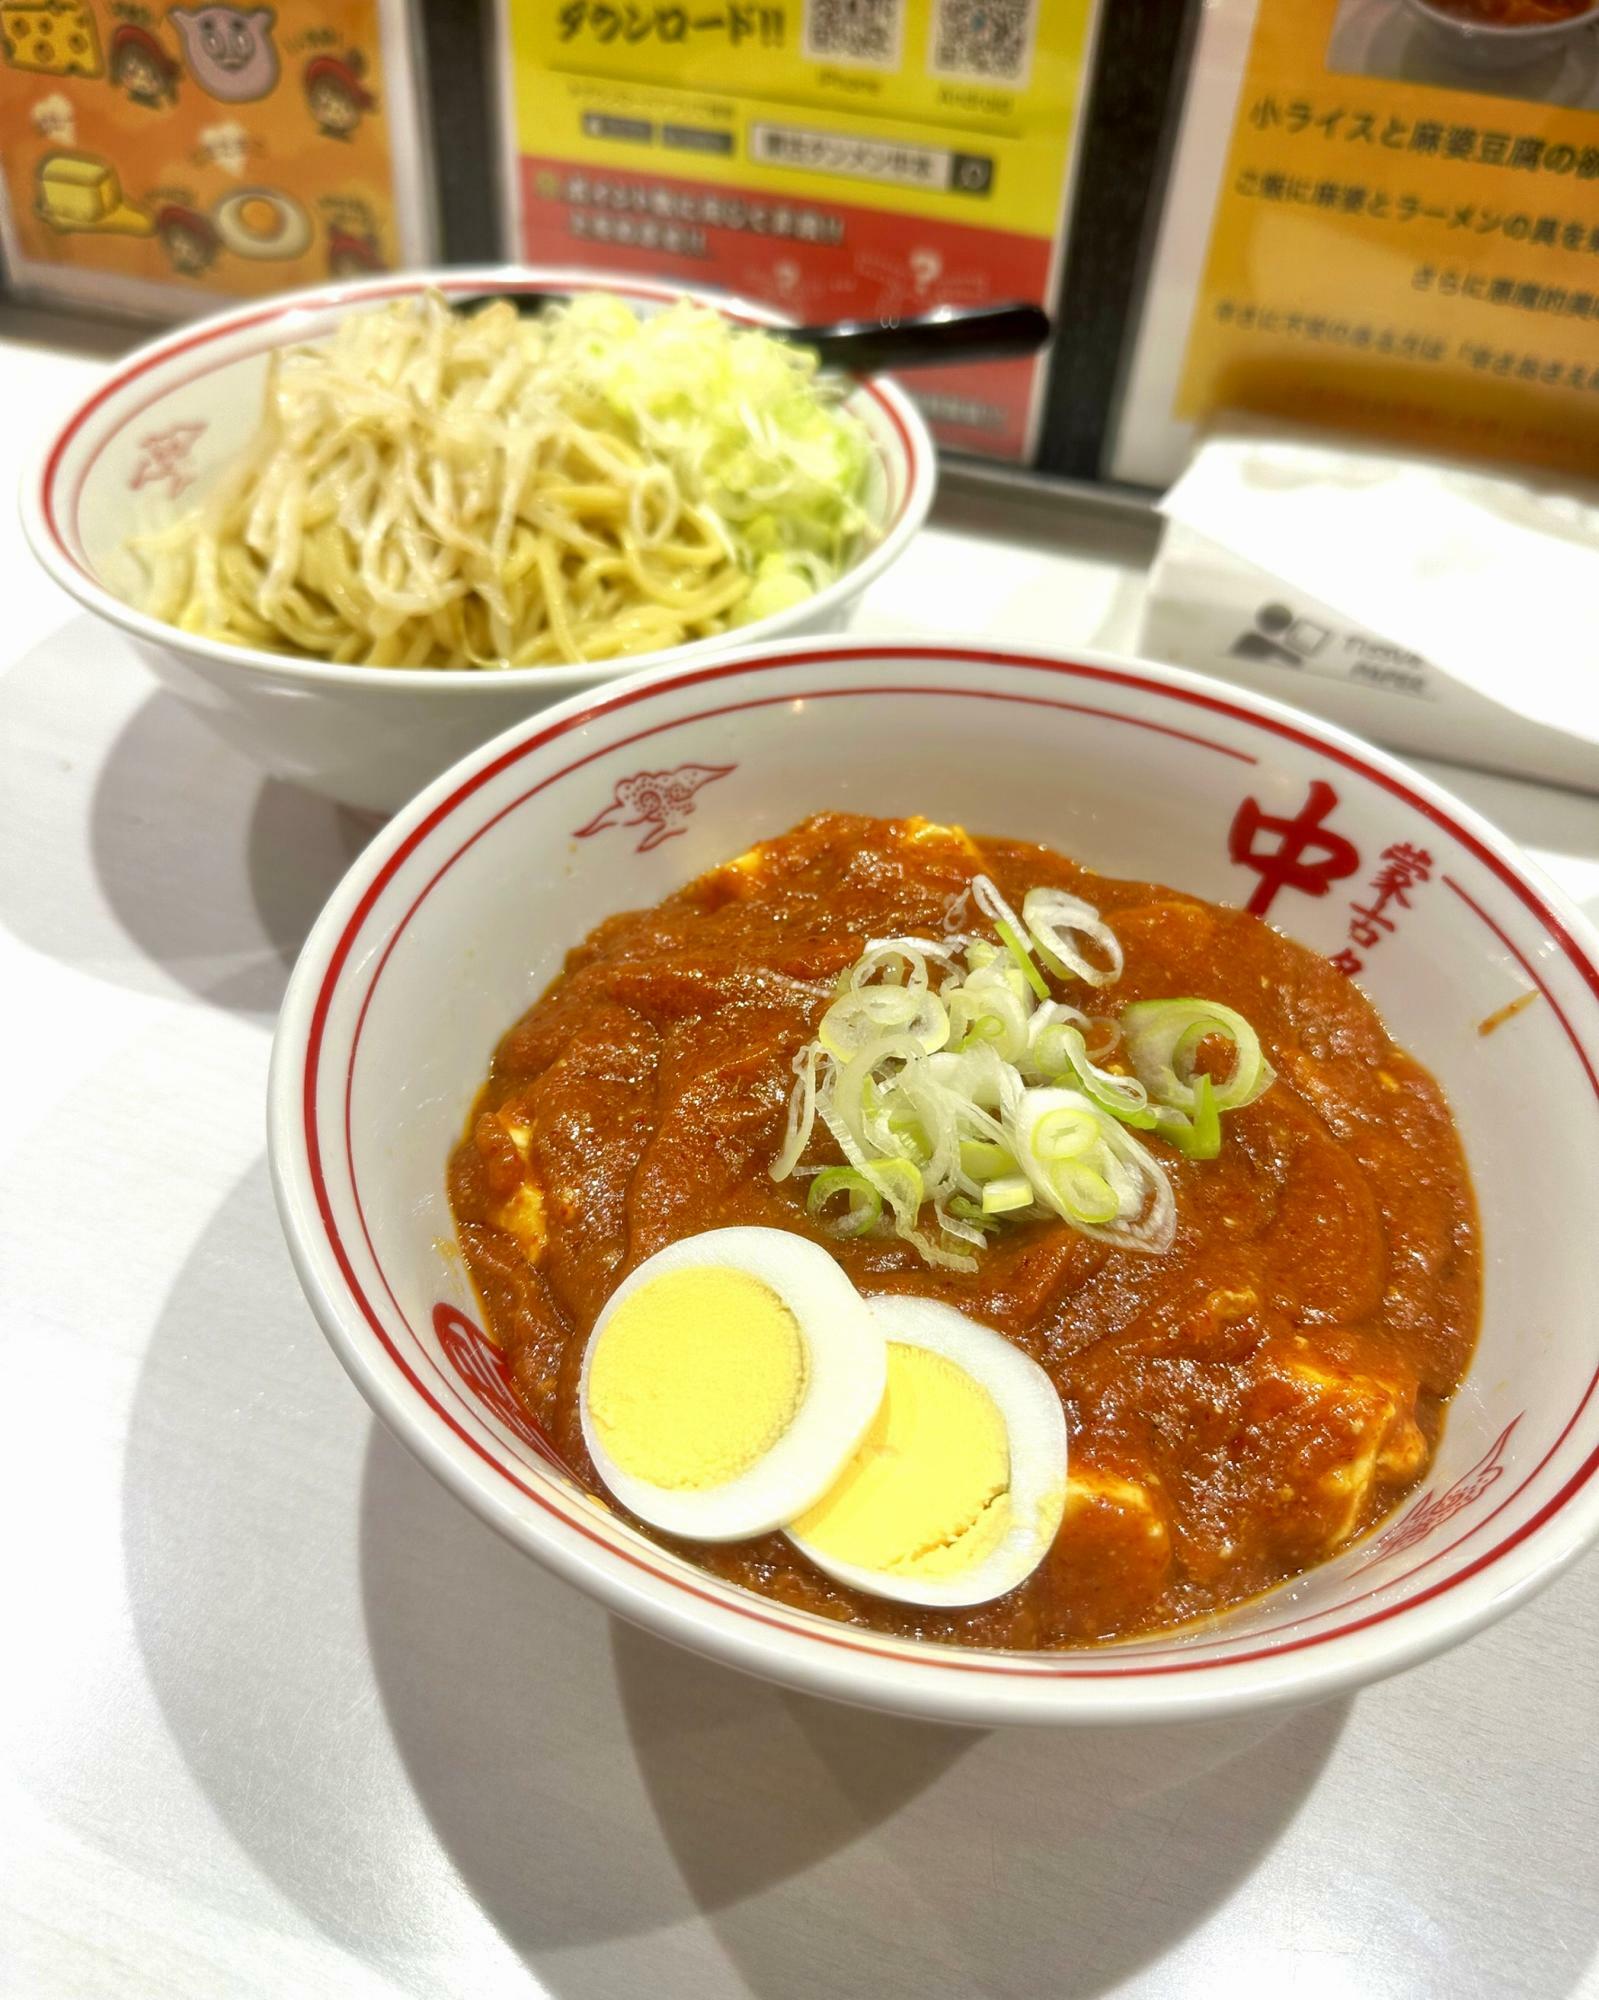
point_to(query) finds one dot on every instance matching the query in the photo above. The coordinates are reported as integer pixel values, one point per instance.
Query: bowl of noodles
(362, 529)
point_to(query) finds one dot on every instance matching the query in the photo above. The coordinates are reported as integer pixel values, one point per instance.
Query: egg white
(1035, 1427)
(846, 1372)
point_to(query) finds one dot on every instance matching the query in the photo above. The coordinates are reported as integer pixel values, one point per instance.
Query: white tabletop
(279, 1717)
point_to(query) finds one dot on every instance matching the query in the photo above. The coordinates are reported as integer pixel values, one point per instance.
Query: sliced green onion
(1124, 1097)
(938, 1114)
(850, 1082)
(841, 1135)
(801, 1114)
(1015, 982)
(889, 962)
(1066, 1133)
(1005, 1195)
(985, 1159)
(1046, 1056)
(989, 1013)
(1163, 1038)
(865, 1203)
(902, 1187)
(1196, 1137)
(886, 957)
(962, 1228)
(1010, 937)
(865, 1014)
(1089, 1197)
(979, 1076)
(900, 1184)
(1086, 1168)
(950, 1080)
(906, 1135)
(1008, 928)
(1107, 1033)
(931, 1251)
(1056, 920)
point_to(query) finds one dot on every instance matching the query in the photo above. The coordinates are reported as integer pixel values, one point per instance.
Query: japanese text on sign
(832, 158)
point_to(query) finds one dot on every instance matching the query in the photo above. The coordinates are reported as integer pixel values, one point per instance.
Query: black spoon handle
(928, 340)
(869, 346)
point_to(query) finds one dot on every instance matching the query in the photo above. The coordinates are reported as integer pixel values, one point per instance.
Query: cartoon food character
(229, 50)
(188, 239)
(353, 253)
(57, 37)
(227, 146)
(335, 93)
(142, 67)
(77, 192)
(54, 119)
(262, 222)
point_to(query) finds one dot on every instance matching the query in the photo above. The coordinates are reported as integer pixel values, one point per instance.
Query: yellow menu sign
(158, 152)
(1405, 234)
(830, 157)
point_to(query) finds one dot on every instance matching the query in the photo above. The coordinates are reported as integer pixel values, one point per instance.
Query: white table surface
(279, 1717)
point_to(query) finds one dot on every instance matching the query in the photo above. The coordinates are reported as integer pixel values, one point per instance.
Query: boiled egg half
(728, 1381)
(957, 1489)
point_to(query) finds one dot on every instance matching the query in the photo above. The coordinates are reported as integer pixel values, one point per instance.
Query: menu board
(832, 158)
(1382, 216)
(161, 157)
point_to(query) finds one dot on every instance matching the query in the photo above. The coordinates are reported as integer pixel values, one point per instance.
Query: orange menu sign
(157, 150)
(1404, 233)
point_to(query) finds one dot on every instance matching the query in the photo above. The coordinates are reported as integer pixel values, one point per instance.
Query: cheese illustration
(54, 37)
(79, 192)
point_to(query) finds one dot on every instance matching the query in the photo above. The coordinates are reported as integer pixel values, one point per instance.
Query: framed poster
(159, 158)
(832, 158)
(1381, 216)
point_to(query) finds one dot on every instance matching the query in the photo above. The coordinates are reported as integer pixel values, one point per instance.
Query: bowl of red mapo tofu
(993, 1186)
(1503, 34)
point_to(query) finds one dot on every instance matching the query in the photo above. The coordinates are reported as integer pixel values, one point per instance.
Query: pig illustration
(228, 50)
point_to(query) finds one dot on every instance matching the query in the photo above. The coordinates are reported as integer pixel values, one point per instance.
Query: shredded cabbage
(741, 416)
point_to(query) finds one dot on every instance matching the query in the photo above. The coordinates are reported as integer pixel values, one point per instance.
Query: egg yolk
(259, 217)
(928, 1492)
(696, 1376)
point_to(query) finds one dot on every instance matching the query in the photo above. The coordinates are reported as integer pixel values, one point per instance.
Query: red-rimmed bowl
(460, 911)
(143, 446)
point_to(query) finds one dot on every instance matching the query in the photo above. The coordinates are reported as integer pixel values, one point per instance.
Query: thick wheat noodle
(427, 489)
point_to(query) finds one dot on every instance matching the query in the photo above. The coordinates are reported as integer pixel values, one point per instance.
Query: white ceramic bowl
(1490, 45)
(459, 912)
(141, 447)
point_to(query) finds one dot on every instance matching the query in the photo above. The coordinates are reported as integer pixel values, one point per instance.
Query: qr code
(987, 39)
(855, 31)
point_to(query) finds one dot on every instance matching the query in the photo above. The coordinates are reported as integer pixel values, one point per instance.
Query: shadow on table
(241, 1473)
(441, 1755)
(212, 873)
(829, 1849)
(56, 330)
(1056, 1862)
